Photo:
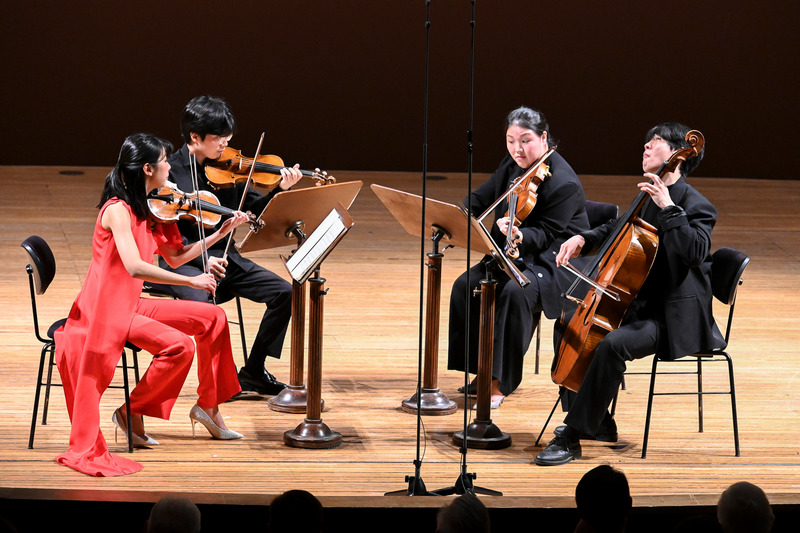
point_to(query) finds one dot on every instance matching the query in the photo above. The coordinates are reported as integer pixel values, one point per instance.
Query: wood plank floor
(371, 339)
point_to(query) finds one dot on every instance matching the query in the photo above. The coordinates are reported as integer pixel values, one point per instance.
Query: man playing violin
(558, 213)
(207, 124)
(671, 314)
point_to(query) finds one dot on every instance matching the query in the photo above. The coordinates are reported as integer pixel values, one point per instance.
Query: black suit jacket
(678, 289)
(180, 174)
(558, 214)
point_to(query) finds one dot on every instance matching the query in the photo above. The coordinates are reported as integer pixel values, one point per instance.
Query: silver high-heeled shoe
(198, 415)
(138, 440)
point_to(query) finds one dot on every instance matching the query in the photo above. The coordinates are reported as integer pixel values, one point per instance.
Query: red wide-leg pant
(164, 328)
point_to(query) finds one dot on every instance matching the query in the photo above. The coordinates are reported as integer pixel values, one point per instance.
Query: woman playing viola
(559, 212)
(109, 311)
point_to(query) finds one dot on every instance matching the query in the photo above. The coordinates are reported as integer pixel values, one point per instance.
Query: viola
(232, 167)
(615, 276)
(169, 204)
(522, 198)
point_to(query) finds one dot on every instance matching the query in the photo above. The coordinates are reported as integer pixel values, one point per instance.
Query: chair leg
(135, 354)
(127, 400)
(546, 422)
(733, 405)
(649, 407)
(241, 329)
(36, 397)
(614, 403)
(699, 394)
(538, 344)
(50, 366)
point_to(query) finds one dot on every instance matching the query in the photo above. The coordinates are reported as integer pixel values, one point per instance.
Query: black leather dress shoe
(607, 432)
(472, 389)
(265, 384)
(558, 452)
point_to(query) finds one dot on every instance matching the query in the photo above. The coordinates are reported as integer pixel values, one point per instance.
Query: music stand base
(292, 399)
(312, 434)
(483, 435)
(464, 485)
(416, 487)
(434, 403)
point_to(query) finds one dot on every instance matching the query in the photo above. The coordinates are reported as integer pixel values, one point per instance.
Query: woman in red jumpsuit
(109, 311)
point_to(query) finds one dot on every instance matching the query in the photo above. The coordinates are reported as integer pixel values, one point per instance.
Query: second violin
(232, 167)
(168, 204)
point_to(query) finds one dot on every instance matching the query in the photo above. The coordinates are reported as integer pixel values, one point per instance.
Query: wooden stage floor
(371, 339)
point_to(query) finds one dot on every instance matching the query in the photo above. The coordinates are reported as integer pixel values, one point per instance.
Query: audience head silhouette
(744, 507)
(603, 499)
(297, 511)
(174, 515)
(465, 514)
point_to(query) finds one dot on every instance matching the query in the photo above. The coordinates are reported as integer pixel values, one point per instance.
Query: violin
(232, 167)
(169, 204)
(620, 269)
(522, 199)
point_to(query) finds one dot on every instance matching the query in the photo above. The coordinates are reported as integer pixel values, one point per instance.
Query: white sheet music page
(315, 246)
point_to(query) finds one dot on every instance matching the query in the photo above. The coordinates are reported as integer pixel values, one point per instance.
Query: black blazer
(678, 289)
(180, 174)
(558, 214)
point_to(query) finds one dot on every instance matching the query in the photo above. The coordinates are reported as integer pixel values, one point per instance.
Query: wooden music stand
(482, 433)
(290, 213)
(307, 260)
(447, 222)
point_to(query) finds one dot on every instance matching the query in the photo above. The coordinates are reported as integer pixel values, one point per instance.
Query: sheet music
(305, 258)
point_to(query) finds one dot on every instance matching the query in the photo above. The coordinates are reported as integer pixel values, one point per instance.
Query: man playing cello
(671, 315)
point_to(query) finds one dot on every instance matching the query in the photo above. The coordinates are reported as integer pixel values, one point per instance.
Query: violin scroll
(322, 177)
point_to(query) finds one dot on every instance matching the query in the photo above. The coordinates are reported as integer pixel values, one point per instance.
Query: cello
(615, 276)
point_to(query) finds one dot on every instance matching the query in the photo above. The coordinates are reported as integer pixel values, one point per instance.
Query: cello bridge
(576, 300)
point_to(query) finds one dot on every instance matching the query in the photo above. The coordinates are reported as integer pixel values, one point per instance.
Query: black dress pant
(516, 315)
(631, 341)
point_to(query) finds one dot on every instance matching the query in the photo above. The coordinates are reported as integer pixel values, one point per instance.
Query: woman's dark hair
(126, 179)
(206, 115)
(675, 135)
(530, 119)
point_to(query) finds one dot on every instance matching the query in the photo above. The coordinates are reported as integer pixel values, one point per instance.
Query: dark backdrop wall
(340, 84)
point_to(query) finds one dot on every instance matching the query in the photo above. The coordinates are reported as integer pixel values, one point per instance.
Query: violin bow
(200, 228)
(244, 194)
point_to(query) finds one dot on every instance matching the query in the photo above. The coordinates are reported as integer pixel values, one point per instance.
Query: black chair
(165, 291)
(726, 276)
(41, 271)
(598, 213)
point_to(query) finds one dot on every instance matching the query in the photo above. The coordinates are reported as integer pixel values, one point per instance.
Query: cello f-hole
(587, 317)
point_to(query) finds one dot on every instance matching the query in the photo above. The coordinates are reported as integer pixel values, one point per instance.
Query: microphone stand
(416, 487)
(464, 482)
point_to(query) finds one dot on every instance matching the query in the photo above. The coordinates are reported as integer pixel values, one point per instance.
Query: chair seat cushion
(52, 329)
